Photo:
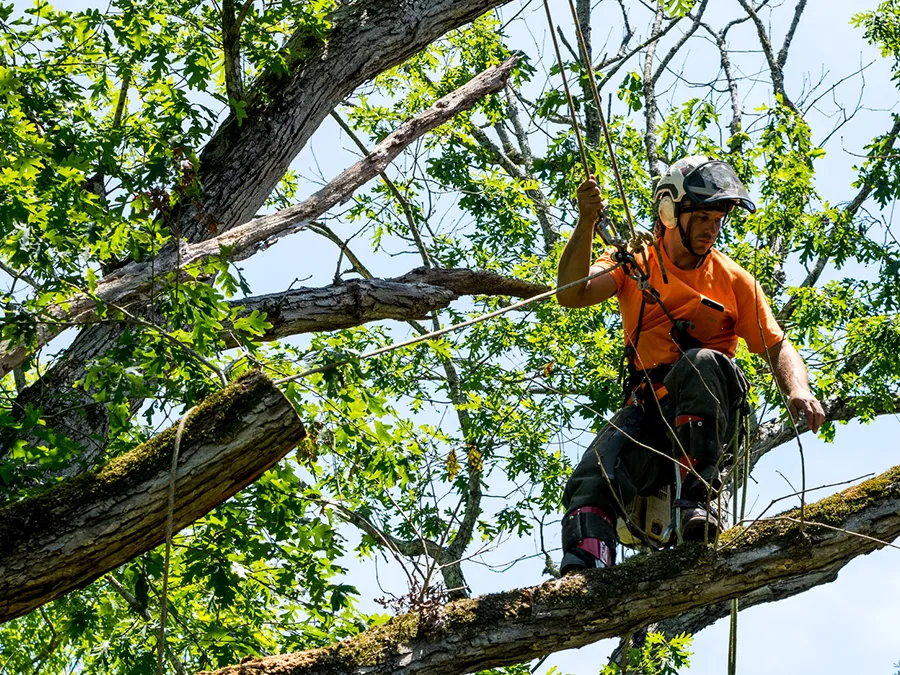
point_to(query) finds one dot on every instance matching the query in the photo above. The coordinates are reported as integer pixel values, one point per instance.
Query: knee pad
(587, 522)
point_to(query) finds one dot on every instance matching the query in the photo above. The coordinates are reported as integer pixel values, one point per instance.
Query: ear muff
(665, 209)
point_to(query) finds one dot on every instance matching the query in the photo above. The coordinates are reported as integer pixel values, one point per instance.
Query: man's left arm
(790, 374)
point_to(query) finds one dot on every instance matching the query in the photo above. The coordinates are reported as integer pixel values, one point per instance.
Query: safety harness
(635, 380)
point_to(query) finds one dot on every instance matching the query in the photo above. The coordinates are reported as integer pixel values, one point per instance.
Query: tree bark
(412, 296)
(73, 533)
(129, 283)
(516, 626)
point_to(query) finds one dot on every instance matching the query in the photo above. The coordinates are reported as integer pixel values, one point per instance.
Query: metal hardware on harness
(605, 229)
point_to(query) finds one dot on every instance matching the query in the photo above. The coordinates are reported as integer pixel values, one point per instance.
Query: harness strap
(587, 522)
(680, 332)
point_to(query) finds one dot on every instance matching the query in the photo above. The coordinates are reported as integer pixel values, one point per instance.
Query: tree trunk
(73, 533)
(516, 626)
(284, 109)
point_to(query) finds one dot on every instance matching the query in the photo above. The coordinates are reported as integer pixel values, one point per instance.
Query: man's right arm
(575, 261)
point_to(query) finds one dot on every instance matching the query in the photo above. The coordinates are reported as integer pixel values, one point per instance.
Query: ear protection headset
(665, 211)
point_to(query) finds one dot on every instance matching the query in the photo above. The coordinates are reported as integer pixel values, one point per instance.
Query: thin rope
(449, 329)
(596, 94)
(164, 610)
(562, 72)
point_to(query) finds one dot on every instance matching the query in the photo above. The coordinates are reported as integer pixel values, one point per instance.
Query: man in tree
(682, 317)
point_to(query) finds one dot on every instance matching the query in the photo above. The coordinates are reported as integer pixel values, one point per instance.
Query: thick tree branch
(695, 620)
(516, 626)
(415, 295)
(129, 282)
(73, 533)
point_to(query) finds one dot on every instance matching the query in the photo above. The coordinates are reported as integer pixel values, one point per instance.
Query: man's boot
(700, 482)
(588, 539)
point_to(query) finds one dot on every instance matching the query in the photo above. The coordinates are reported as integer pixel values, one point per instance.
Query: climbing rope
(586, 58)
(170, 526)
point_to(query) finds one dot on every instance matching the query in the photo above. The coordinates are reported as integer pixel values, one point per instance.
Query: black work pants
(632, 455)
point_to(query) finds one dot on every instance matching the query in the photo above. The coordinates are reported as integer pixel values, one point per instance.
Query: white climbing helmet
(705, 182)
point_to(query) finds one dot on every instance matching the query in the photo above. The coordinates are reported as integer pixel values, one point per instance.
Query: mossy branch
(516, 626)
(67, 536)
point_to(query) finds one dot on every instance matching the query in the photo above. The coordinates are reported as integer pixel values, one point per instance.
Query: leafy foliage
(657, 656)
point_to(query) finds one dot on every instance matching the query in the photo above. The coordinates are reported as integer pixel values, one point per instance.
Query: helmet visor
(714, 182)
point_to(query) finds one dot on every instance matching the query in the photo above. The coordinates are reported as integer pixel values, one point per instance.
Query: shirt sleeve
(605, 261)
(755, 324)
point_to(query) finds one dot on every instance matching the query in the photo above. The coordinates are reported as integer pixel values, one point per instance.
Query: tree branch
(231, 46)
(695, 620)
(680, 43)
(849, 212)
(520, 625)
(721, 43)
(404, 203)
(328, 233)
(772, 434)
(75, 532)
(783, 53)
(144, 613)
(591, 115)
(650, 106)
(620, 61)
(129, 282)
(413, 296)
(776, 69)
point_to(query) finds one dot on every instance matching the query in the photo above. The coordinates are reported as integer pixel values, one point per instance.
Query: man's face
(702, 228)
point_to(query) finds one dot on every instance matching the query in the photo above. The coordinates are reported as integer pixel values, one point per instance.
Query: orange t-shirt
(720, 297)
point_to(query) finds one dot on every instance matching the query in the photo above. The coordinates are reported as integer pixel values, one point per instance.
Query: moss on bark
(215, 420)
